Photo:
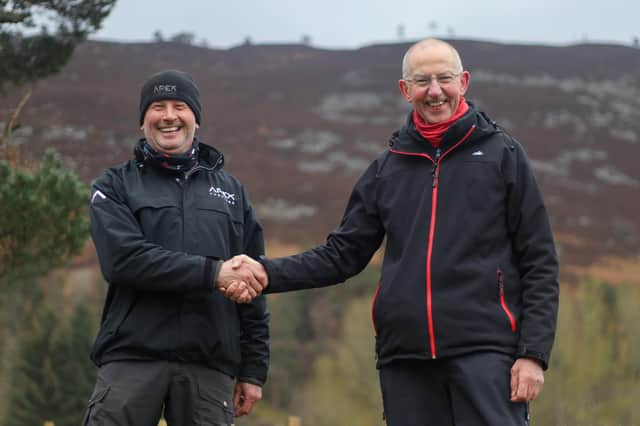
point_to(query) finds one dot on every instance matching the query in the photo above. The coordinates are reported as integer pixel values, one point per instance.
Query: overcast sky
(356, 23)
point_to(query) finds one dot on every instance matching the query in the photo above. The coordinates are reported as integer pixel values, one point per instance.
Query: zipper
(432, 231)
(435, 174)
(503, 303)
(435, 169)
(373, 305)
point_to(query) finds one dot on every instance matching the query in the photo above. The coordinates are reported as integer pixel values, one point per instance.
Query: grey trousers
(133, 393)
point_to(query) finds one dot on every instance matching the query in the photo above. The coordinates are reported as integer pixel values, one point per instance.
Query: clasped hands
(241, 279)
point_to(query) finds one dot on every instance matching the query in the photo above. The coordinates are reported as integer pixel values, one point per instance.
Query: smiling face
(169, 126)
(433, 80)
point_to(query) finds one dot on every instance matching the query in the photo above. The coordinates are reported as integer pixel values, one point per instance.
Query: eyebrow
(440, 74)
(161, 101)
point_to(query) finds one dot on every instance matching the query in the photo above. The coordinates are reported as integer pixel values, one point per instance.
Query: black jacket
(158, 235)
(469, 264)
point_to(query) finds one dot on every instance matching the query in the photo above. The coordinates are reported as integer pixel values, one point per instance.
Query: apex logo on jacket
(98, 193)
(226, 196)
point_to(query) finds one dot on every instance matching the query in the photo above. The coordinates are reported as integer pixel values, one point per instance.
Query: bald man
(465, 311)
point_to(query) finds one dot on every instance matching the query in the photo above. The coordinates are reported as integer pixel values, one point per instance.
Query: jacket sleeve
(127, 258)
(347, 251)
(536, 257)
(254, 317)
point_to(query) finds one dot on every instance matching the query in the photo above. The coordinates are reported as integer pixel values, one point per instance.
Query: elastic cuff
(266, 264)
(538, 356)
(211, 271)
(251, 380)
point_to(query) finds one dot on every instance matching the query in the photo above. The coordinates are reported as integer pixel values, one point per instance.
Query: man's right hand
(241, 279)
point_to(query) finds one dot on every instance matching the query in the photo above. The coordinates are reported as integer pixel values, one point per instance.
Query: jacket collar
(208, 156)
(408, 139)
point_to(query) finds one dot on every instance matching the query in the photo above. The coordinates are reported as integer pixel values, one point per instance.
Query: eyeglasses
(443, 80)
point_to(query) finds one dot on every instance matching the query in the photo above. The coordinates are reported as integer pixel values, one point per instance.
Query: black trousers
(468, 390)
(133, 393)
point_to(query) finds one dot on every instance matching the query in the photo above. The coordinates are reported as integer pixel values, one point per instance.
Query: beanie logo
(165, 89)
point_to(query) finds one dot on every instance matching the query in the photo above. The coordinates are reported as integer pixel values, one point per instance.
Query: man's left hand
(245, 396)
(527, 379)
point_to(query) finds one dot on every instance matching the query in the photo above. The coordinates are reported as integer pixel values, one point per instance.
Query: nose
(169, 113)
(434, 86)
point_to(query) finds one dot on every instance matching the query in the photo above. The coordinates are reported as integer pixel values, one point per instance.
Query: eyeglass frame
(424, 82)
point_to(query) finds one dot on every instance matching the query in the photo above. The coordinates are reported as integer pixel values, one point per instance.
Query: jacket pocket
(373, 308)
(92, 407)
(503, 302)
(214, 408)
(218, 229)
(159, 219)
(121, 310)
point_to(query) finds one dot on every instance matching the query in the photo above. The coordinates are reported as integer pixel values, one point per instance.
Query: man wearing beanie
(465, 310)
(164, 223)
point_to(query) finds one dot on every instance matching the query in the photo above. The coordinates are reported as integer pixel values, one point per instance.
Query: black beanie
(170, 84)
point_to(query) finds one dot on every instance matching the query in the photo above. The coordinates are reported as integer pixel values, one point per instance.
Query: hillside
(298, 125)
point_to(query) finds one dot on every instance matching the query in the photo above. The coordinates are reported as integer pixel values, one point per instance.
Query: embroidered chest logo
(226, 196)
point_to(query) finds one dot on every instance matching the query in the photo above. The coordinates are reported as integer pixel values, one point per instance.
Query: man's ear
(404, 89)
(464, 82)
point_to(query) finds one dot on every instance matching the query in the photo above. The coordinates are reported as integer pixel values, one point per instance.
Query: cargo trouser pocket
(92, 414)
(215, 407)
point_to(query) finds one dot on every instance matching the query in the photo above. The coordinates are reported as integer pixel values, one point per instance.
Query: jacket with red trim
(469, 264)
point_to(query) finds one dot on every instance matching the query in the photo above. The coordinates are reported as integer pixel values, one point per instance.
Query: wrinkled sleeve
(127, 258)
(347, 251)
(535, 252)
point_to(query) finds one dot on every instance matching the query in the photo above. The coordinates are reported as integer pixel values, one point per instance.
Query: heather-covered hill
(299, 124)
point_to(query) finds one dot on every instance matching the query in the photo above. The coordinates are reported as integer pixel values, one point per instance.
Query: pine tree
(36, 392)
(42, 210)
(42, 224)
(42, 218)
(28, 56)
(54, 376)
(79, 370)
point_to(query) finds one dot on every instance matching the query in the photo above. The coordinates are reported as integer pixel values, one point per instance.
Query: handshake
(241, 279)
